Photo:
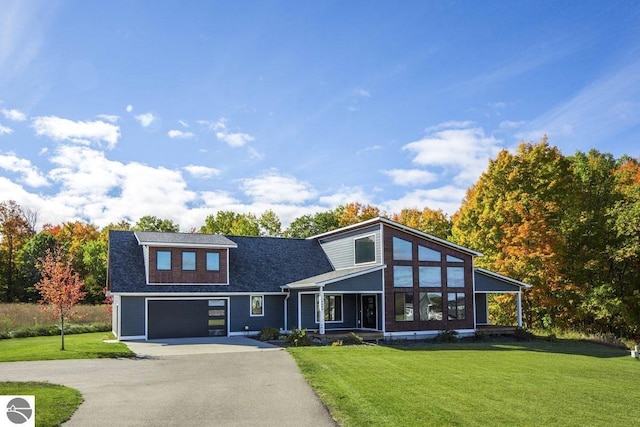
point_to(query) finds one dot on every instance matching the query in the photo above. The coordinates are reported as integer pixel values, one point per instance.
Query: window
(332, 308)
(365, 249)
(426, 254)
(163, 260)
(451, 258)
(455, 277)
(403, 306)
(403, 276)
(189, 261)
(257, 305)
(430, 277)
(402, 250)
(213, 261)
(430, 306)
(455, 306)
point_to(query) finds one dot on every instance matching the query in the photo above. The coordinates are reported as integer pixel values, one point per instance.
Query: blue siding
(485, 283)
(349, 313)
(240, 313)
(340, 250)
(370, 282)
(292, 310)
(481, 309)
(132, 310)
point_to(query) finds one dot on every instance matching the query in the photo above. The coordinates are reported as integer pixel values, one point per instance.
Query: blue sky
(115, 110)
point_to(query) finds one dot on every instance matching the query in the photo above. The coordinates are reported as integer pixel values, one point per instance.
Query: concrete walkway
(232, 388)
(206, 345)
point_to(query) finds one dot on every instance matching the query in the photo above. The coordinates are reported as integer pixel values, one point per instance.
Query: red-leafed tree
(60, 287)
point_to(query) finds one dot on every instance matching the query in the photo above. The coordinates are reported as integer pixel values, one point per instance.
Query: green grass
(80, 346)
(54, 403)
(568, 383)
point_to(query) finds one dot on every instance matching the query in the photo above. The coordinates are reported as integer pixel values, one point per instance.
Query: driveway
(236, 387)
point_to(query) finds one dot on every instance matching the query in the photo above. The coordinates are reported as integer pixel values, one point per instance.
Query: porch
(495, 330)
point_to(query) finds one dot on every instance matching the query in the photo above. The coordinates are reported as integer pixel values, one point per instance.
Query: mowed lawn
(54, 403)
(77, 346)
(567, 383)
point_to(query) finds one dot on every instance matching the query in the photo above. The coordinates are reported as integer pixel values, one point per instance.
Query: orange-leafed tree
(60, 287)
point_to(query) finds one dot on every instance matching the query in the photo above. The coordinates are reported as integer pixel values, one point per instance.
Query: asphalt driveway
(243, 387)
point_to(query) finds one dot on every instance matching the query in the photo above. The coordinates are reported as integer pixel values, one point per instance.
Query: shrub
(447, 335)
(50, 330)
(299, 338)
(269, 333)
(523, 335)
(352, 339)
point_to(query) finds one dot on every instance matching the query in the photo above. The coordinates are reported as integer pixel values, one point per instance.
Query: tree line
(567, 225)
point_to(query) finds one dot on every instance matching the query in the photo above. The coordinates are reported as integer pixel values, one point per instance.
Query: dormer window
(189, 261)
(365, 249)
(213, 261)
(163, 260)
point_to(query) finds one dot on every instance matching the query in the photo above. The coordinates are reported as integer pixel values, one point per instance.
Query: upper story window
(455, 277)
(451, 258)
(213, 261)
(427, 254)
(163, 260)
(402, 250)
(189, 261)
(365, 249)
(430, 277)
(402, 276)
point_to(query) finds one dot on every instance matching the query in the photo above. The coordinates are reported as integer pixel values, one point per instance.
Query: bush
(523, 335)
(447, 336)
(50, 330)
(269, 333)
(299, 338)
(352, 339)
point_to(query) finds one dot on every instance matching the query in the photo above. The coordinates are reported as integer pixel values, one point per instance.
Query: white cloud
(145, 119)
(80, 132)
(111, 118)
(343, 196)
(14, 115)
(183, 123)
(5, 130)
(369, 149)
(410, 177)
(178, 134)
(447, 198)
(465, 151)
(30, 175)
(232, 139)
(361, 92)
(273, 187)
(202, 171)
(129, 108)
(255, 154)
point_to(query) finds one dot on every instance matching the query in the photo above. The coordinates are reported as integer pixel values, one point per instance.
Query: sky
(114, 110)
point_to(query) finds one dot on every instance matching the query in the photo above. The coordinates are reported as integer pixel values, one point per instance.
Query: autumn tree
(311, 225)
(15, 230)
(270, 224)
(430, 221)
(231, 223)
(60, 287)
(152, 223)
(353, 213)
(514, 216)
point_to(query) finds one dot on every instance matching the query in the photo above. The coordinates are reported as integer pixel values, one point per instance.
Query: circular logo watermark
(19, 411)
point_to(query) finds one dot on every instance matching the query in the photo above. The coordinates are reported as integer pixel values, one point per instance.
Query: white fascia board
(193, 294)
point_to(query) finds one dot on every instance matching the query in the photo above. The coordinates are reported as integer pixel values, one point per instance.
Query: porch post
(519, 308)
(321, 310)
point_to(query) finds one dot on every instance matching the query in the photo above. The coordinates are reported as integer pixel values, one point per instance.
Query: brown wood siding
(177, 275)
(391, 325)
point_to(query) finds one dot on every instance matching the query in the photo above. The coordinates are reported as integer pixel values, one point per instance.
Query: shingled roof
(257, 264)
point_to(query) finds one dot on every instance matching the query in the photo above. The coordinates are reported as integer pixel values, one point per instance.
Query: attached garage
(186, 318)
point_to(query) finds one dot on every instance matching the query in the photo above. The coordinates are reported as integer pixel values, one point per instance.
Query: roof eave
(501, 277)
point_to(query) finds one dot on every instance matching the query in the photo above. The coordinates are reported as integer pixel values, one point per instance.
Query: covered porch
(487, 283)
(338, 301)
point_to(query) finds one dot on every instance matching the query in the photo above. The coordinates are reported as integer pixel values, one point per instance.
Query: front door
(369, 312)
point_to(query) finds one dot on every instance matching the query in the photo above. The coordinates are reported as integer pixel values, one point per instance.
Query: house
(378, 276)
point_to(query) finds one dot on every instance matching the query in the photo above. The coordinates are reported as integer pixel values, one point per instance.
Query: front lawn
(80, 346)
(54, 403)
(568, 383)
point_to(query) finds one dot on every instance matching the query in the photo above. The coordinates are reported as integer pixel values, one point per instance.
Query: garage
(186, 318)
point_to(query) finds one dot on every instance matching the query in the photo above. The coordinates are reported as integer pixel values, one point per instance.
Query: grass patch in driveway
(80, 346)
(568, 383)
(54, 403)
